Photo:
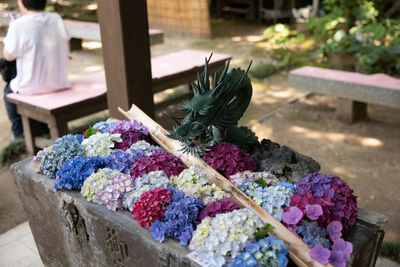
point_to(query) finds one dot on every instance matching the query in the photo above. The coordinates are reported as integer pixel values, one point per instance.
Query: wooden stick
(298, 250)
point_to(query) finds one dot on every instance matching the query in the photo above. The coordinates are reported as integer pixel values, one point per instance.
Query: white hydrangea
(146, 148)
(193, 182)
(240, 177)
(221, 238)
(100, 144)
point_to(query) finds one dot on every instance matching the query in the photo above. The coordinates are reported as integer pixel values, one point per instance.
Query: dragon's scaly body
(213, 114)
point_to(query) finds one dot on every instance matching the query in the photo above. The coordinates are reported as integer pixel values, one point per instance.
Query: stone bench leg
(350, 111)
(75, 44)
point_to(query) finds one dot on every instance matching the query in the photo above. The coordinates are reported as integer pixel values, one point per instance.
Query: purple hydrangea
(113, 194)
(228, 159)
(73, 173)
(131, 132)
(334, 230)
(312, 234)
(123, 161)
(292, 216)
(344, 206)
(320, 254)
(179, 219)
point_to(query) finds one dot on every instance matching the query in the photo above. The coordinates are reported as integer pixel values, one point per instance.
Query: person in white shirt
(38, 40)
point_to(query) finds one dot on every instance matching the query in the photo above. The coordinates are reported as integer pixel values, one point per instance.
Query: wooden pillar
(126, 52)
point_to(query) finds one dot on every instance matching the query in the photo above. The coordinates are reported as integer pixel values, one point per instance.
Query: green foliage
(391, 249)
(263, 70)
(264, 232)
(261, 182)
(90, 132)
(12, 151)
(355, 28)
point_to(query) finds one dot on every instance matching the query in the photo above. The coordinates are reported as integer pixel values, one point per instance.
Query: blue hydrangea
(122, 161)
(268, 251)
(55, 156)
(312, 234)
(179, 219)
(274, 199)
(73, 173)
(104, 126)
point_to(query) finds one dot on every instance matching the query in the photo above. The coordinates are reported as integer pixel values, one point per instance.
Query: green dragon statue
(213, 114)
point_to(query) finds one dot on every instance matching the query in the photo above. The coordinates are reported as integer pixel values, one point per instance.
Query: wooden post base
(350, 111)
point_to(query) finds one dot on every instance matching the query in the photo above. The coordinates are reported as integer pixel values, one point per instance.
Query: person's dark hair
(34, 4)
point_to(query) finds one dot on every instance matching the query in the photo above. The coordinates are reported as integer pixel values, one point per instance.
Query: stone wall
(70, 231)
(180, 16)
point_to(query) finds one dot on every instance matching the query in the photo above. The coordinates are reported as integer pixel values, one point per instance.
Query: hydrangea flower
(268, 251)
(96, 182)
(123, 161)
(344, 206)
(151, 206)
(312, 234)
(144, 147)
(104, 126)
(228, 159)
(292, 216)
(267, 177)
(193, 182)
(54, 157)
(334, 230)
(179, 219)
(100, 144)
(221, 238)
(147, 182)
(222, 206)
(124, 126)
(273, 199)
(113, 194)
(320, 254)
(162, 160)
(74, 172)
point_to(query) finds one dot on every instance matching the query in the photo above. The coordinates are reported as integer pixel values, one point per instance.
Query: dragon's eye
(197, 126)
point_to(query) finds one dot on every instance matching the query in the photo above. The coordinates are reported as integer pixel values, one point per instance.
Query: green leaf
(264, 232)
(261, 182)
(90, 132)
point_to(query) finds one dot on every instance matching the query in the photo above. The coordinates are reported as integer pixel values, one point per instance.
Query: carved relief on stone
(118, 249)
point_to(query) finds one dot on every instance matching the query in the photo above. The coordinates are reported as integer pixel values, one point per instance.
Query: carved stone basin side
(70, 231)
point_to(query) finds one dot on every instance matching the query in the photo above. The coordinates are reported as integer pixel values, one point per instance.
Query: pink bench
(354, 90)
(85, 30)
(88, 94)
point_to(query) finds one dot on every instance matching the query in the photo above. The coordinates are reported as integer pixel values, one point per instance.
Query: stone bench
(88, 94)
(85, 30)
(354, 90)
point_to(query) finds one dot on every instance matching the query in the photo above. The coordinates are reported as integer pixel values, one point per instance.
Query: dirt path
(365, 154)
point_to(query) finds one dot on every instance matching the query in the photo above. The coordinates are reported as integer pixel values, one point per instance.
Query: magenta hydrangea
(131, 132)
(228, 159)
(344, 202)
(222, 206)
(158, 161)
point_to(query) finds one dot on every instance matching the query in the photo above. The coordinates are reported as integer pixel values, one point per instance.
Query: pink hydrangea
(228, 159)
(158, 161)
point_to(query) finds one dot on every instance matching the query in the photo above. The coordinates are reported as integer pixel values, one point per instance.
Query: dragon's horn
(222, 77)
(200, 82)
(206, 75)
(215, 79)
(195, 88)
(172, 117)
(244, 76)
(215, 91)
